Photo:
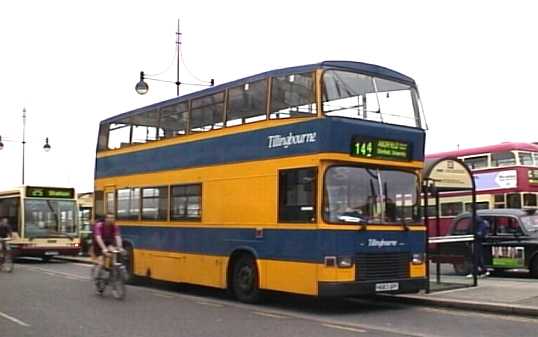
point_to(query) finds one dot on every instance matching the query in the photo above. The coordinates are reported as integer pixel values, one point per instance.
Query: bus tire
(534, 267)
(245, 279)
(129, 265)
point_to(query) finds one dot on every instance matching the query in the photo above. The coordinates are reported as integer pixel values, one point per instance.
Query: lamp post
(46, 147)
(142, 87)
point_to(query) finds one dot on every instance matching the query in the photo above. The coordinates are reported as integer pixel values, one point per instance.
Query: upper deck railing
(332, 88)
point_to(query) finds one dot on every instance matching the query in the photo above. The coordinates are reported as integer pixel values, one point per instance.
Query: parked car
(512, 241)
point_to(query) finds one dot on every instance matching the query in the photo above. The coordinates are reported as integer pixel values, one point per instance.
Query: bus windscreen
(50, 217)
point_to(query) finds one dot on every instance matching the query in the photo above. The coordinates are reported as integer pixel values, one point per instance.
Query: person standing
(481, 231)
(5, 233)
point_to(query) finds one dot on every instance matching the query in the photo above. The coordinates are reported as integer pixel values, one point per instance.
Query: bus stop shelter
(441, 177)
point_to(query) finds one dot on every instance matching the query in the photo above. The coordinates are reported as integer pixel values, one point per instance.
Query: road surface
(57, 299)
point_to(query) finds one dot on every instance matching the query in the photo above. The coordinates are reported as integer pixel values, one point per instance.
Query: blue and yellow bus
(302, 180)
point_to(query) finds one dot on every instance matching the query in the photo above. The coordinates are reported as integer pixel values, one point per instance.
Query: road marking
(86, 265)
(341, 327)
(59, 273)
(289, 314)
(461, 312)
(13, 319)
(154, 293)
(210, 304)
(268, 314)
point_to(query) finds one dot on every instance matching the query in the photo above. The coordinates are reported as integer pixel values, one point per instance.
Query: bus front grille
(382, 266)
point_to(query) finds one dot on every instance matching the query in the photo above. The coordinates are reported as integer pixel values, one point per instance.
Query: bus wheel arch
(243, 276)
(129, 260)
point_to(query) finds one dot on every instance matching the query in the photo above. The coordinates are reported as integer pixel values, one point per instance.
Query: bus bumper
(41, 251)
(358, 288)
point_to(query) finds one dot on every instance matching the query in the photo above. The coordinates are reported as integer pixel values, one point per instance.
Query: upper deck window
(174, 119)
(293, 96)
(207, 113)
(525, 158)
(353, 95)
(476, 162)
(247, 103)
(503, 159)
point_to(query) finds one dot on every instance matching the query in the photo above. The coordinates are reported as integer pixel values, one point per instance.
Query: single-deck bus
(44, 220)
(301, 180)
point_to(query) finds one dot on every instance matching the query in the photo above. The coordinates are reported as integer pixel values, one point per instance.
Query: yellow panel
(417, 270)
(293, 277)
(180, 267)
(333, 274)
(243, 194)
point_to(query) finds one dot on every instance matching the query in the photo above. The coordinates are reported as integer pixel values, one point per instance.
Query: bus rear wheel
(245, 280)
(128, 261)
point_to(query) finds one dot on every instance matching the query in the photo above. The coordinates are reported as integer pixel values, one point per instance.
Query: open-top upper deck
(332, 88)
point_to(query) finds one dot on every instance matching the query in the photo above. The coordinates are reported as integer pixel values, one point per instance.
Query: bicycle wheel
(118, 284)
(100, 282)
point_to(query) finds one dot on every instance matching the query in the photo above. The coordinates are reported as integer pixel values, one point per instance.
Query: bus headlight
(418, 258)
(345, 262)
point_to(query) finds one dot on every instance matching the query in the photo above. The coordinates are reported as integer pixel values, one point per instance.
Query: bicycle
(6, 259)
(112, 273)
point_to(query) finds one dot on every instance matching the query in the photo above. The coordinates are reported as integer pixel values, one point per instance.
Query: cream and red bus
(44, 221)
(505, 175)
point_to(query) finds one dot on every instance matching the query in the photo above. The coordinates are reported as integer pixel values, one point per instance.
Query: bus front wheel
(245, 281)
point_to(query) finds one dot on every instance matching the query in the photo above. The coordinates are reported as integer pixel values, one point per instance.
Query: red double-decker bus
(505, 175)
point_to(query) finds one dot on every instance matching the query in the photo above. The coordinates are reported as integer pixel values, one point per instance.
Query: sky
(72, 64)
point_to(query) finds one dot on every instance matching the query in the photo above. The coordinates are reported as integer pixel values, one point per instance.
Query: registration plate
(52, 253)
(387, 286)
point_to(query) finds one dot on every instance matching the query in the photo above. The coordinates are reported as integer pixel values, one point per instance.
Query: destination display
(533, 176)
(50, 192)
(380, 149)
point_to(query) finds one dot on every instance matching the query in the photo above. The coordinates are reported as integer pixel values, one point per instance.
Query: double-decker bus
(505, 175)
(302, 180)
(44, 220)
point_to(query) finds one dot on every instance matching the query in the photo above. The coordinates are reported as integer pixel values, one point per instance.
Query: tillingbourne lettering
(382, 243)
(286, 141)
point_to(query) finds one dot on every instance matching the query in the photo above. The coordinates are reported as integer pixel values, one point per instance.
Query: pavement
(512, 293)
(507, 295)
(57, 299)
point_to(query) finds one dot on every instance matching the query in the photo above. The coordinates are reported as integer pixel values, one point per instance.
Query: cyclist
(5, 233)
(106, 236)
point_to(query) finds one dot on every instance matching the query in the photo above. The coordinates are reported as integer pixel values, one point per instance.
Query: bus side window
(513, 200)
(297, 195)
(110, 203)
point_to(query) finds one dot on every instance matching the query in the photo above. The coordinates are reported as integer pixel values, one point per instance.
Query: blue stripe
(332, 135)
(277, 244)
